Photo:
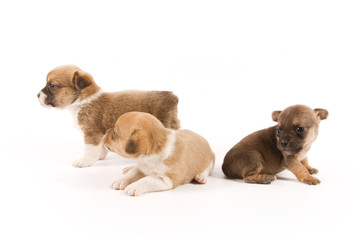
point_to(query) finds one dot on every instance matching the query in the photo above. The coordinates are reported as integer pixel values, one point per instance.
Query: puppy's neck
(153, 164)
(78, 104)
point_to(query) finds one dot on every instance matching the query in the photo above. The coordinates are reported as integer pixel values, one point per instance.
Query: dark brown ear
(81, 80)
(131, 147)
(321, 113)
(275, 115)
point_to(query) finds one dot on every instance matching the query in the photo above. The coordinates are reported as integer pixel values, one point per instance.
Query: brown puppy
(261, 155)
(165, 158)
(96, 111)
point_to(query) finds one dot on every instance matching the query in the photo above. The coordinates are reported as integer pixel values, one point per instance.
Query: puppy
(261, 155)
(95, 111)
(165, 158)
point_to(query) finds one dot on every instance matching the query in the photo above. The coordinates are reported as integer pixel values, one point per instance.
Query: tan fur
(261, 155)
(140, 134)
(70, 87)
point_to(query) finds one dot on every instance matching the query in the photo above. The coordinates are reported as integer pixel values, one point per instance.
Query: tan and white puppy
(165, 158)
(95, 111)
(262, 154)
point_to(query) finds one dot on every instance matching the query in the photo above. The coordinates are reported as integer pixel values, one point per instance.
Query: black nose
(283, 143)
(38, 95)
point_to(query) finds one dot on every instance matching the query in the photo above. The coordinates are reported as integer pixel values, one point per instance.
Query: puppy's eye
(51, 85)
(113, 134)
(278, 131)
(299, 129)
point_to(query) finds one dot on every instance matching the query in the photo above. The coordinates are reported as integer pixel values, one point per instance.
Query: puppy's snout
(284, 143)
(38, 95)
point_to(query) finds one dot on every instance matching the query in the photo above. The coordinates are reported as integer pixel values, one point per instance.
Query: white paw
(82, 162)
(127, 169)
(201, 179)
(135, 189)
(120, 184)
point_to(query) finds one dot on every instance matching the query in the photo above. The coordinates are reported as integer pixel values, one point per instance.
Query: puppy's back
(249, 154)
(192, 156)
(161, 104)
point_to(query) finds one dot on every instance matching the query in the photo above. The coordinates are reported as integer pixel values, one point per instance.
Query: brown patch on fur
(261, 155)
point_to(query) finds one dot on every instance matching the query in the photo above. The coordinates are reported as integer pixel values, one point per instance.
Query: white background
(231, 63)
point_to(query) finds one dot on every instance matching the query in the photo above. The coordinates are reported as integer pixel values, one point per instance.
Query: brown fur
(191, 156)
(261, 155)
(67, 86)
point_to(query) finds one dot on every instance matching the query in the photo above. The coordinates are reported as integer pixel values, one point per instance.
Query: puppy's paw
(135, 189)
(120, 184)
(311, 180)
(201, 179)
(82, 162)
(127, 169)
(312, 170)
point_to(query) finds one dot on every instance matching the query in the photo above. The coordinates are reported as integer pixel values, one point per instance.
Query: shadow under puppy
(262, 154)
(165, 158)
(96, 111)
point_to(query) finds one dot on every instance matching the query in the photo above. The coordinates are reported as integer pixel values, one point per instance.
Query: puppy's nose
(38, 95)
(283, 143)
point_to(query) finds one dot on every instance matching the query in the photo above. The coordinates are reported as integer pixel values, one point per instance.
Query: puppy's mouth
(290, 151)
(43, 102)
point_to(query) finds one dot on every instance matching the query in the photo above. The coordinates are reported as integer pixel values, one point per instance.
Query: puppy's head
(66, 84)
(135, 134)
(297, 127)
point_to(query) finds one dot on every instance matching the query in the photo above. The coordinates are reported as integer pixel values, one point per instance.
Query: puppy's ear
(132, 145)
(81, 80)
(275, 115)
(321, 113)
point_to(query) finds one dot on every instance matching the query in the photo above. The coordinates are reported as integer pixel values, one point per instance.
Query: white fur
(153, 167)
(76, 106)
(149, 184)
(91, 154)
(153, 164)
(124, 181)
(202, 177)
(42, 100)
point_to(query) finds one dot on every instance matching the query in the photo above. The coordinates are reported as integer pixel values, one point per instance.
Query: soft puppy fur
(96, 111)
(261, 155)
(165, 158)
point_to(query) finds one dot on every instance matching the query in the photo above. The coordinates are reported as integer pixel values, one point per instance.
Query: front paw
(312, 170)
(134, 189)
(311, 180)
(82, 162)
(120, 184)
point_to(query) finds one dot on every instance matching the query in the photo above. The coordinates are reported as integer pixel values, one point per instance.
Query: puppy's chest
(303, 153)
(151, 165)
(74, 110)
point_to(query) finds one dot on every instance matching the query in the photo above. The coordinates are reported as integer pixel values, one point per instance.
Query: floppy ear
(321, 113)
(81, 80)
(132, 145)
(275, 115)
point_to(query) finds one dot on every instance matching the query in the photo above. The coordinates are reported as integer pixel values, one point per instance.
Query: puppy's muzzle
(284, 143)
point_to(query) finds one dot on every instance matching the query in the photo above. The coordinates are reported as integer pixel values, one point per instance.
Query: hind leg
(202, 177)
(260, 178)
(243, 164)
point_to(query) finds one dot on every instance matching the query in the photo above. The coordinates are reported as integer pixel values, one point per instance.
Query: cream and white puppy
(165, 158)
(96, 111)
